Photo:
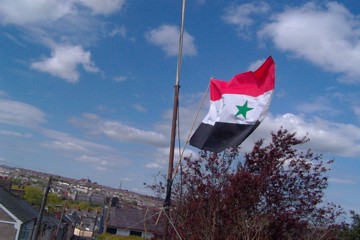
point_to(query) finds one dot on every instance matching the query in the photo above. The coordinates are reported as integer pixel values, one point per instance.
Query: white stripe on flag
(225, 109)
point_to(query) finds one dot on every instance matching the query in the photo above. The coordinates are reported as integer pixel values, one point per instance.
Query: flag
(236, 109)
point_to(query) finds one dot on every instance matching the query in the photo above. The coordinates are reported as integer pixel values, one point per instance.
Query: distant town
(77, 189)
(113, 211)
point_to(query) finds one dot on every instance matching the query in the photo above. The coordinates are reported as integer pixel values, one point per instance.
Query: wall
(7, 231)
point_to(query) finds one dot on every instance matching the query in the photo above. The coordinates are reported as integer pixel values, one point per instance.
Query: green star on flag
(243, 109)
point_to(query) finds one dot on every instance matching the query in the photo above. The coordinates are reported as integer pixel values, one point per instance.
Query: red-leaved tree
(273, 192)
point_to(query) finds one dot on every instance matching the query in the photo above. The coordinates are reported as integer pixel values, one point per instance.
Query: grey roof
(73, 219)
(78, 215)
(134, 218)
(47, 219)
(15, 206)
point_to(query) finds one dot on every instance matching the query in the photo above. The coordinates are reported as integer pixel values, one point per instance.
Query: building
(132, 220)
(16, 221)
(85, 223)
(97, 198)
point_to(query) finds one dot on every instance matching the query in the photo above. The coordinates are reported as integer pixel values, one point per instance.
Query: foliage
(54, 203)
(352, 232)
(84, 205)
(54, 199)
(16, 182)
(275, 192)
(33, 195)
(108, 236)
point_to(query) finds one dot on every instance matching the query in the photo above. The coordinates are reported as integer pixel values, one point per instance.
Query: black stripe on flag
(218, 137)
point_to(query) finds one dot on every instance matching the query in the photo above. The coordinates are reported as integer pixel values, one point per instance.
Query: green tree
(53, 199)
(16, 181)
(33, 195)
(352, 232)
(84, 205)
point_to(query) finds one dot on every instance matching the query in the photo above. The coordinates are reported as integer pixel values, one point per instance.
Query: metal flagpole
(167, 202)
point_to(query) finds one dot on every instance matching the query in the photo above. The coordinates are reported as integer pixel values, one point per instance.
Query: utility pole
(61, 218)
(95, 222)
(41, 213)
(167, 202)
(106, 218)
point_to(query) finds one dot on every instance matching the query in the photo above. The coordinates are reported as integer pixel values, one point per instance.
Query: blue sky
(86, 86)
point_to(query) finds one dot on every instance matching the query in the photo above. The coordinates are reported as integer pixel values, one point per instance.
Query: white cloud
(139, 108)
(67, 146)
(328, 37)
(341, 181)
(255, 65)
(3, 93)
(240, 15)
(104, 7)
(356, 110)
(318, 105)
(331, 138)
(119, 31)
(119, 131)
(154, 165)
(98, 156)
(14, 39)
(167, 38)
(71, 23)
(122, 32)
(63, 141)
(15, 134)
(20, 114)
(160, 159)
(92, 159)
(24, 12)
(64, 61)
(120, 78)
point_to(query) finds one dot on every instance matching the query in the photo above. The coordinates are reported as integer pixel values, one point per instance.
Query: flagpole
(167, 202)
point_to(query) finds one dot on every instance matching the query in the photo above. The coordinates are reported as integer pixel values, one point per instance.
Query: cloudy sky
(86, 86)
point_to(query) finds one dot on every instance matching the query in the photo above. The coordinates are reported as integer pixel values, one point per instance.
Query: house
(81, 197)
(18, 218)
(132, 220)
(4, 173)
(97, 198)
(49, 224)
(16, 222)
(85, 223)
(67, 233)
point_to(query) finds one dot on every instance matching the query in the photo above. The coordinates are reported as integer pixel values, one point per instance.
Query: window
(25, 232)
(135, 233)
(111, 230)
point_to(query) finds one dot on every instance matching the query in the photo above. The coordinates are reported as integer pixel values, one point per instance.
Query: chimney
(114, 201)
(6, 184)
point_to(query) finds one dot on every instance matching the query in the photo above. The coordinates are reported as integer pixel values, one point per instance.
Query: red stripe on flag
(248, 83)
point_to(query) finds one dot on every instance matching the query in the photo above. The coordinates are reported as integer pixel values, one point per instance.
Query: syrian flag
(236, 109)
